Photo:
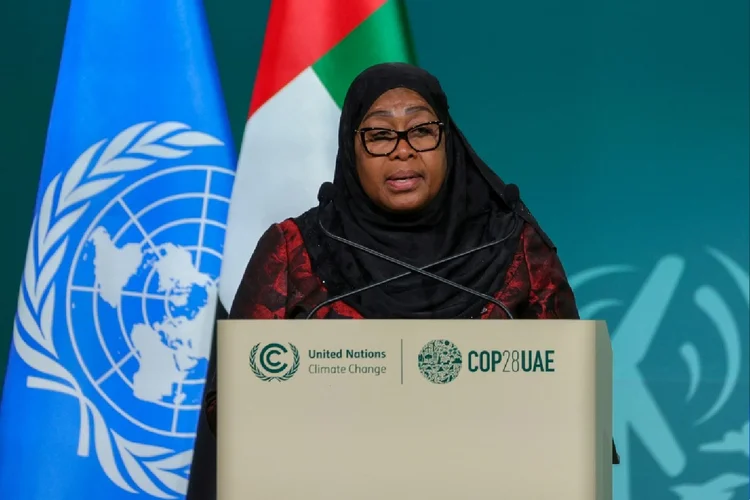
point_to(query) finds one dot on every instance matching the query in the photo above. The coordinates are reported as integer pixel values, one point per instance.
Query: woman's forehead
(399, 95)
(393, 111)
(398, 102)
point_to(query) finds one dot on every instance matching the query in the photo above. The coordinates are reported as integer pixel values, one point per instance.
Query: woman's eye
(381, 136)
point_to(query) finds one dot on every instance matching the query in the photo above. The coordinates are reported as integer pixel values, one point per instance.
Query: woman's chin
(405, 202)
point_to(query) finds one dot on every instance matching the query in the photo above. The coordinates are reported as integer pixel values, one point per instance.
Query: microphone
(325, 195)
(511, 196)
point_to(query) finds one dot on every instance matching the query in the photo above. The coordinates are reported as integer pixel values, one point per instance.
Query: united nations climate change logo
(275, 361)
(440, 361)
(137, 281)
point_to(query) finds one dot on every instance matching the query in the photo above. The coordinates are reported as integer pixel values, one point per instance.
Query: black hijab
(473, 207)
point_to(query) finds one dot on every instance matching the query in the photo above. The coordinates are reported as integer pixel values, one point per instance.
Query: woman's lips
(403, 180)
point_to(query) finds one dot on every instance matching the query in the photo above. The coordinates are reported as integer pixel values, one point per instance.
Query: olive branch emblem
(135, 467)
(268, 378)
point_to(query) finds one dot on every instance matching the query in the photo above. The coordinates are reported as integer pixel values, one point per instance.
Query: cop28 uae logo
(440, 361)
(274, 361)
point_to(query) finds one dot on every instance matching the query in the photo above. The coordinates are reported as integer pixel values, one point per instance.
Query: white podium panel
(414, 410)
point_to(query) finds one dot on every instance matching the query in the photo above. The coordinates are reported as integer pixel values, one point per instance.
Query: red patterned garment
(279, 282)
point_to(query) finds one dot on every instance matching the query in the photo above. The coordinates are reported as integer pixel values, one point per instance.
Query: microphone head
(511, 195)
(326, 193)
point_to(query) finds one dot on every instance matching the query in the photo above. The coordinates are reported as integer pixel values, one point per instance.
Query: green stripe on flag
(382, 37)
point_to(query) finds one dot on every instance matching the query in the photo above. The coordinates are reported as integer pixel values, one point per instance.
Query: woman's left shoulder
(536, 260)
(534, 240)
(541, 273)
(538, 252)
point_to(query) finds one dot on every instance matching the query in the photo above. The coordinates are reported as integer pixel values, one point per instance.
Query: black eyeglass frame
(401, 134)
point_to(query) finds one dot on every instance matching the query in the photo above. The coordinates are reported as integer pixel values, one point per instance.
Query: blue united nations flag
(116, 307)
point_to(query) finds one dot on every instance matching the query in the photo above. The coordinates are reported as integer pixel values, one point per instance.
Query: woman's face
(403, 178)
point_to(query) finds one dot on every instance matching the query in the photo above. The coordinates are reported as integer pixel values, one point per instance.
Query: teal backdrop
(626, 126)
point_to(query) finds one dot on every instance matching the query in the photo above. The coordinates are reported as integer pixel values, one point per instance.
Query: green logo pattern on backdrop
(680, 374)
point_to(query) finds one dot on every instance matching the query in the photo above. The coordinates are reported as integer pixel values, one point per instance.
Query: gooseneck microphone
(325, 195)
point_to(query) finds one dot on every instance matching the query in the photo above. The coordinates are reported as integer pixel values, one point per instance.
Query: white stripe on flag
(288, 150)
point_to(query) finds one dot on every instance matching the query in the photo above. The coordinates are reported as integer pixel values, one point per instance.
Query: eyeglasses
(383, 141)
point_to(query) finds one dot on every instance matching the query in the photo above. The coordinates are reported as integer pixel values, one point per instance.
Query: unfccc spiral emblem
(274, 361)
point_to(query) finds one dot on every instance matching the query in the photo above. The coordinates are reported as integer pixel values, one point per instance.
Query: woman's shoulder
(534, 250)
(294, 229)
(533, 240)
(532, 231)
(277, 269)
(288, 230)
(284, 241)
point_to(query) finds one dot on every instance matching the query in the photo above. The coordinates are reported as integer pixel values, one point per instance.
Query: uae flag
(312, 51)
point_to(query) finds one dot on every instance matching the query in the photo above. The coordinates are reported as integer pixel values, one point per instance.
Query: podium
(414, 410)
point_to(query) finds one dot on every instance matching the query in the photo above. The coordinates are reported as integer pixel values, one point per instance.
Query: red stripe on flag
(298, 33)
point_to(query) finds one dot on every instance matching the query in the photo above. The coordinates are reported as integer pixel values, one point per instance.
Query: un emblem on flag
(144, 277)
(128, 243)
